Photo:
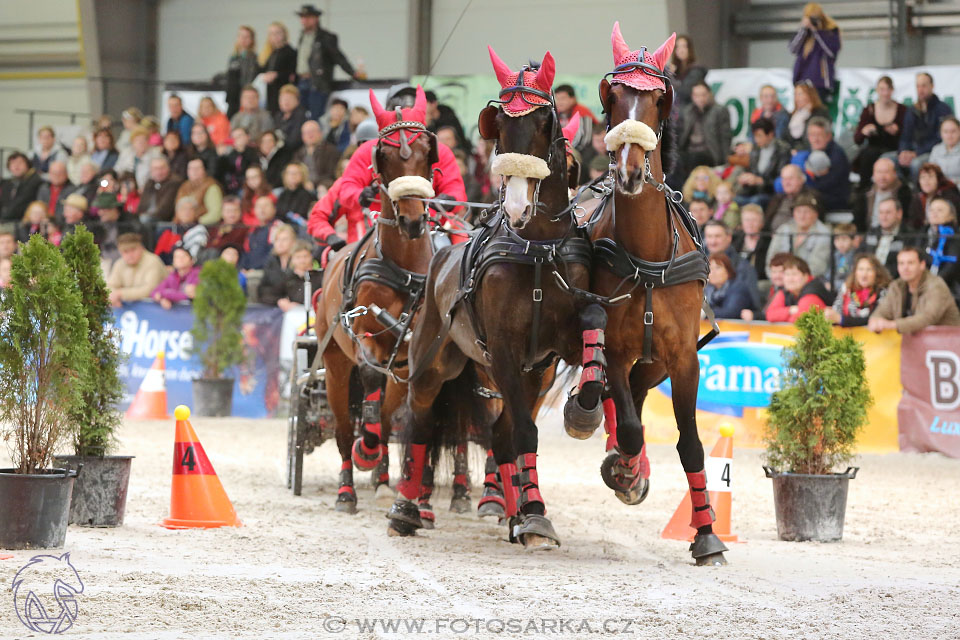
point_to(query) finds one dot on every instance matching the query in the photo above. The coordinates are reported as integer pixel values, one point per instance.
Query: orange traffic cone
(197, 499)
(150, 402)
(718, 468)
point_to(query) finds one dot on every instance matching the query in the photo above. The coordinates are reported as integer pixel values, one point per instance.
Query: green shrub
(98, 418)
(44, 355)
(218, 318)
(813, 420)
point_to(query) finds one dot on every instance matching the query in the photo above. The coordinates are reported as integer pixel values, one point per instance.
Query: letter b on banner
(944, 368)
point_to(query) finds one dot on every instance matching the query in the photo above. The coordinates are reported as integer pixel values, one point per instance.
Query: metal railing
(33, 113)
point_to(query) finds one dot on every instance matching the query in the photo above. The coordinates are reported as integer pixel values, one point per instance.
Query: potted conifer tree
(812, 425)
(44, 362)
(100, 494)
(218, 318)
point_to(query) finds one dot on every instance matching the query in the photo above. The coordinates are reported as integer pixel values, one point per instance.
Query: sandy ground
(297, 569)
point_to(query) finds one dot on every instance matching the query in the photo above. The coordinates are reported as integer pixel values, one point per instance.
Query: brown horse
(497, 302)
(645, 245)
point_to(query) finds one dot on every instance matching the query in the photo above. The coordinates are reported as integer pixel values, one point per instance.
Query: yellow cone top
(182, 412)
(726, 429)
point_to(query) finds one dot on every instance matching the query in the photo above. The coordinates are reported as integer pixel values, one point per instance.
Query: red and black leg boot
(427, 516)
(610, 423)
(628, 476)
(404, 514)
(366, 449)
(508, 476)
(491, 500)
(583, 411)
(346, 494)
(534, 530)
(460, 502)
(707, 549)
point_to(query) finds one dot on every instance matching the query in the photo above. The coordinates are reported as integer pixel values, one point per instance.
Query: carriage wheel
(296, 435)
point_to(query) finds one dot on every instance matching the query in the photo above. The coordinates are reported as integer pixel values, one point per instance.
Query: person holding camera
(816, 46)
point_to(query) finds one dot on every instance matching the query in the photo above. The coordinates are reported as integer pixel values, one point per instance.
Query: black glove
(368, 195)
(335, 242)
(436, 206)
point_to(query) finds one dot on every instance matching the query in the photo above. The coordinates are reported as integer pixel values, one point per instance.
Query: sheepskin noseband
(410, 186)
(632, 131)
(520, 165)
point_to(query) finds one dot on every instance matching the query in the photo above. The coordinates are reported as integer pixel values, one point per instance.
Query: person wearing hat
(318, 52)
(74, 209)
(804, 236)
(112, 224)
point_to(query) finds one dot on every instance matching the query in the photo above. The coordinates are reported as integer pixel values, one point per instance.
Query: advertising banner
(929, 411)
(146, 329)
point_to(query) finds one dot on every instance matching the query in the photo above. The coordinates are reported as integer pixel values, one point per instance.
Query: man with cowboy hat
(318, 52)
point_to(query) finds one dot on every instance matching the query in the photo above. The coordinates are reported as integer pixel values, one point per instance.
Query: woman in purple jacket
(816, 46)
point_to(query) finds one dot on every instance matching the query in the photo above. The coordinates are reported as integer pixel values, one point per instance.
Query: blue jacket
(835, 185)
(921, 131)
(181, 125)
(729, 300)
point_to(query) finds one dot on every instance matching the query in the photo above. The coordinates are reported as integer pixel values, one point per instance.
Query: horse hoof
(461, 504)
(346, 503)
(629, 490)
(362, 460)
(578, 422)
(404, 512)
(400, 529)
(636, 495)
(490, 509)
(427, 523)
(536, 533)
(707, 549)
(713, 560)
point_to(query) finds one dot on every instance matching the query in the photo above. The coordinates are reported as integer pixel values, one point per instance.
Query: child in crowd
(181, 284)
(37, 220)
(230, 254)
(726, 209)
(235, 163)
(185, 231)
(845, 246)
(260, 241)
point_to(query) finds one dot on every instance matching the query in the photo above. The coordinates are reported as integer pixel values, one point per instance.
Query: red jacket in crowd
(811, 296)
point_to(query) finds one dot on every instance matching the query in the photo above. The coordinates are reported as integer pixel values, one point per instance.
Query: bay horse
(515, 317)
(646, 244)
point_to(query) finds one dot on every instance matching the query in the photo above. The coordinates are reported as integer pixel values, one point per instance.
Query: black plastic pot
(810, 507)
(35, 508)
(213, 397)
(100, 494)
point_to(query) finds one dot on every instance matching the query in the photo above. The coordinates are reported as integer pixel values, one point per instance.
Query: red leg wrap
(529, 484)
(346, 488)
(369, 452)
(610, 422)
(702, 511)
(507, 473)
(409, 485)
(346, 464)
(593, 360)
(384, 477)
(593, 336)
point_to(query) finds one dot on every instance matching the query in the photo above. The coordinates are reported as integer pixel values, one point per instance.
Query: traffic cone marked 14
(150, 402)
(718, 466)
(197, 498)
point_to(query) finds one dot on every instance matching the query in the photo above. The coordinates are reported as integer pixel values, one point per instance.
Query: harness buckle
(537, 295)
(648, 318)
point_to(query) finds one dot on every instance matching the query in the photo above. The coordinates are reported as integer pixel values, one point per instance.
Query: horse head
(403, 160)
(637, 101)
(525, 125)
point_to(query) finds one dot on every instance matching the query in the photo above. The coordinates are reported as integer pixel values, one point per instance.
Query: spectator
(8, 244)
(318, 155)
(260, 240)
(136, 274)
(251, 117)
(886, 184)
(686, 73)
(318, 51)
(56, 189)
(159, 197)
(336, 125)
(880, 125)
(254, 186)
(441, 115)
(294, 199)
(719, 240)
(273, 158)
(130, 119)
(888, 236)
(804, 236)
(921, 126)
(931, 184)
(700, 184)
(916, 300)
(290, 117)
(242, 67)
(5, 265)
(359, 115)
(185, 231)
(946, 154)
(448, 137)
(202, 146)
(234, 165)
(175, 153)
(231, 229)
(943, 243)
(702, 212)
(726, 209)
(806, 105)
(79, 153)
(20, 189)
(104, 149)
(816, 46)
(88, 174)
(231, 255)
(749, 242)
(152, 125)
(74, 211)
(214, 121)
(180, 284)
(112, 224)
(179, 122)
(771, 109)
(38, 221)
(800, 293)
(47, 151)
(704, 130)
(844, 248)
(137, 158)
(567, 107)
(767, 157)
(860, 293)
(204, 189)
(127, 192)
(834, 185)
(278, 266)
(727, 295)
(278, 62)
(780, 209)
(292, 301)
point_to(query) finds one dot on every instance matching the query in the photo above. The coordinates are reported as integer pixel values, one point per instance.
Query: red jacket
(810, 297)
(359, 174)
(329, 209)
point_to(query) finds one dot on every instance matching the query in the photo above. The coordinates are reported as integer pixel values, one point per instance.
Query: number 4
(725, 476)
(190, 461)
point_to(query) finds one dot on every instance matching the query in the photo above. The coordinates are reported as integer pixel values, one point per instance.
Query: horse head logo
(45, 594)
